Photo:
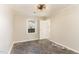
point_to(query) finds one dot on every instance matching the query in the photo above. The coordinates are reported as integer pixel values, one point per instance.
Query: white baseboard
(23, 41)
(26, 40)
(10, 48)
(66, 46)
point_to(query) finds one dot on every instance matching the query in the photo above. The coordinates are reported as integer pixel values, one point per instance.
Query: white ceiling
(28, 9)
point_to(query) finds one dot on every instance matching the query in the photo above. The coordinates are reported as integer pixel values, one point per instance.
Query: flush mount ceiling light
(40, 10)
(41, 7)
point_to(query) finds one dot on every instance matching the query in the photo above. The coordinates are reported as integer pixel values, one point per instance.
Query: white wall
(65, 27)
(5, 29)
(18, 33)
(21, 28)
(42, 28)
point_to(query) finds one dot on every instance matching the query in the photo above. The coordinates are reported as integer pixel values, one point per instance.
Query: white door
(44, 29)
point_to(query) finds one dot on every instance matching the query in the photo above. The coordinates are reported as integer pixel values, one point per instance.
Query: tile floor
(39, 47)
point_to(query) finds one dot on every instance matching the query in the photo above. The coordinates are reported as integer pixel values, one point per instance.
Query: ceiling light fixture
(40, 11)
(41, 7)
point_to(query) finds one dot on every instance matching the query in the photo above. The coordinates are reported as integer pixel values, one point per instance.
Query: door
(44, 29)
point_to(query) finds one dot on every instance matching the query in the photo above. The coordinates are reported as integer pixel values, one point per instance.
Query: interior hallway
(31, 23)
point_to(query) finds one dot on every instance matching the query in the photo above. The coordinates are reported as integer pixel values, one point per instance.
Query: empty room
(39, 28)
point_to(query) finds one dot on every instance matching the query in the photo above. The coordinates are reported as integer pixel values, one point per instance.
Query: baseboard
(65, 46)
(23, 41)
(10, 48)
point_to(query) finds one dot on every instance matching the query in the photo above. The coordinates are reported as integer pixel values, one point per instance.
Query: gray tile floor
(39, 47)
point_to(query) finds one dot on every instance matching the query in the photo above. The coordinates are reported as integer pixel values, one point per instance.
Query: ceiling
(28, 9)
